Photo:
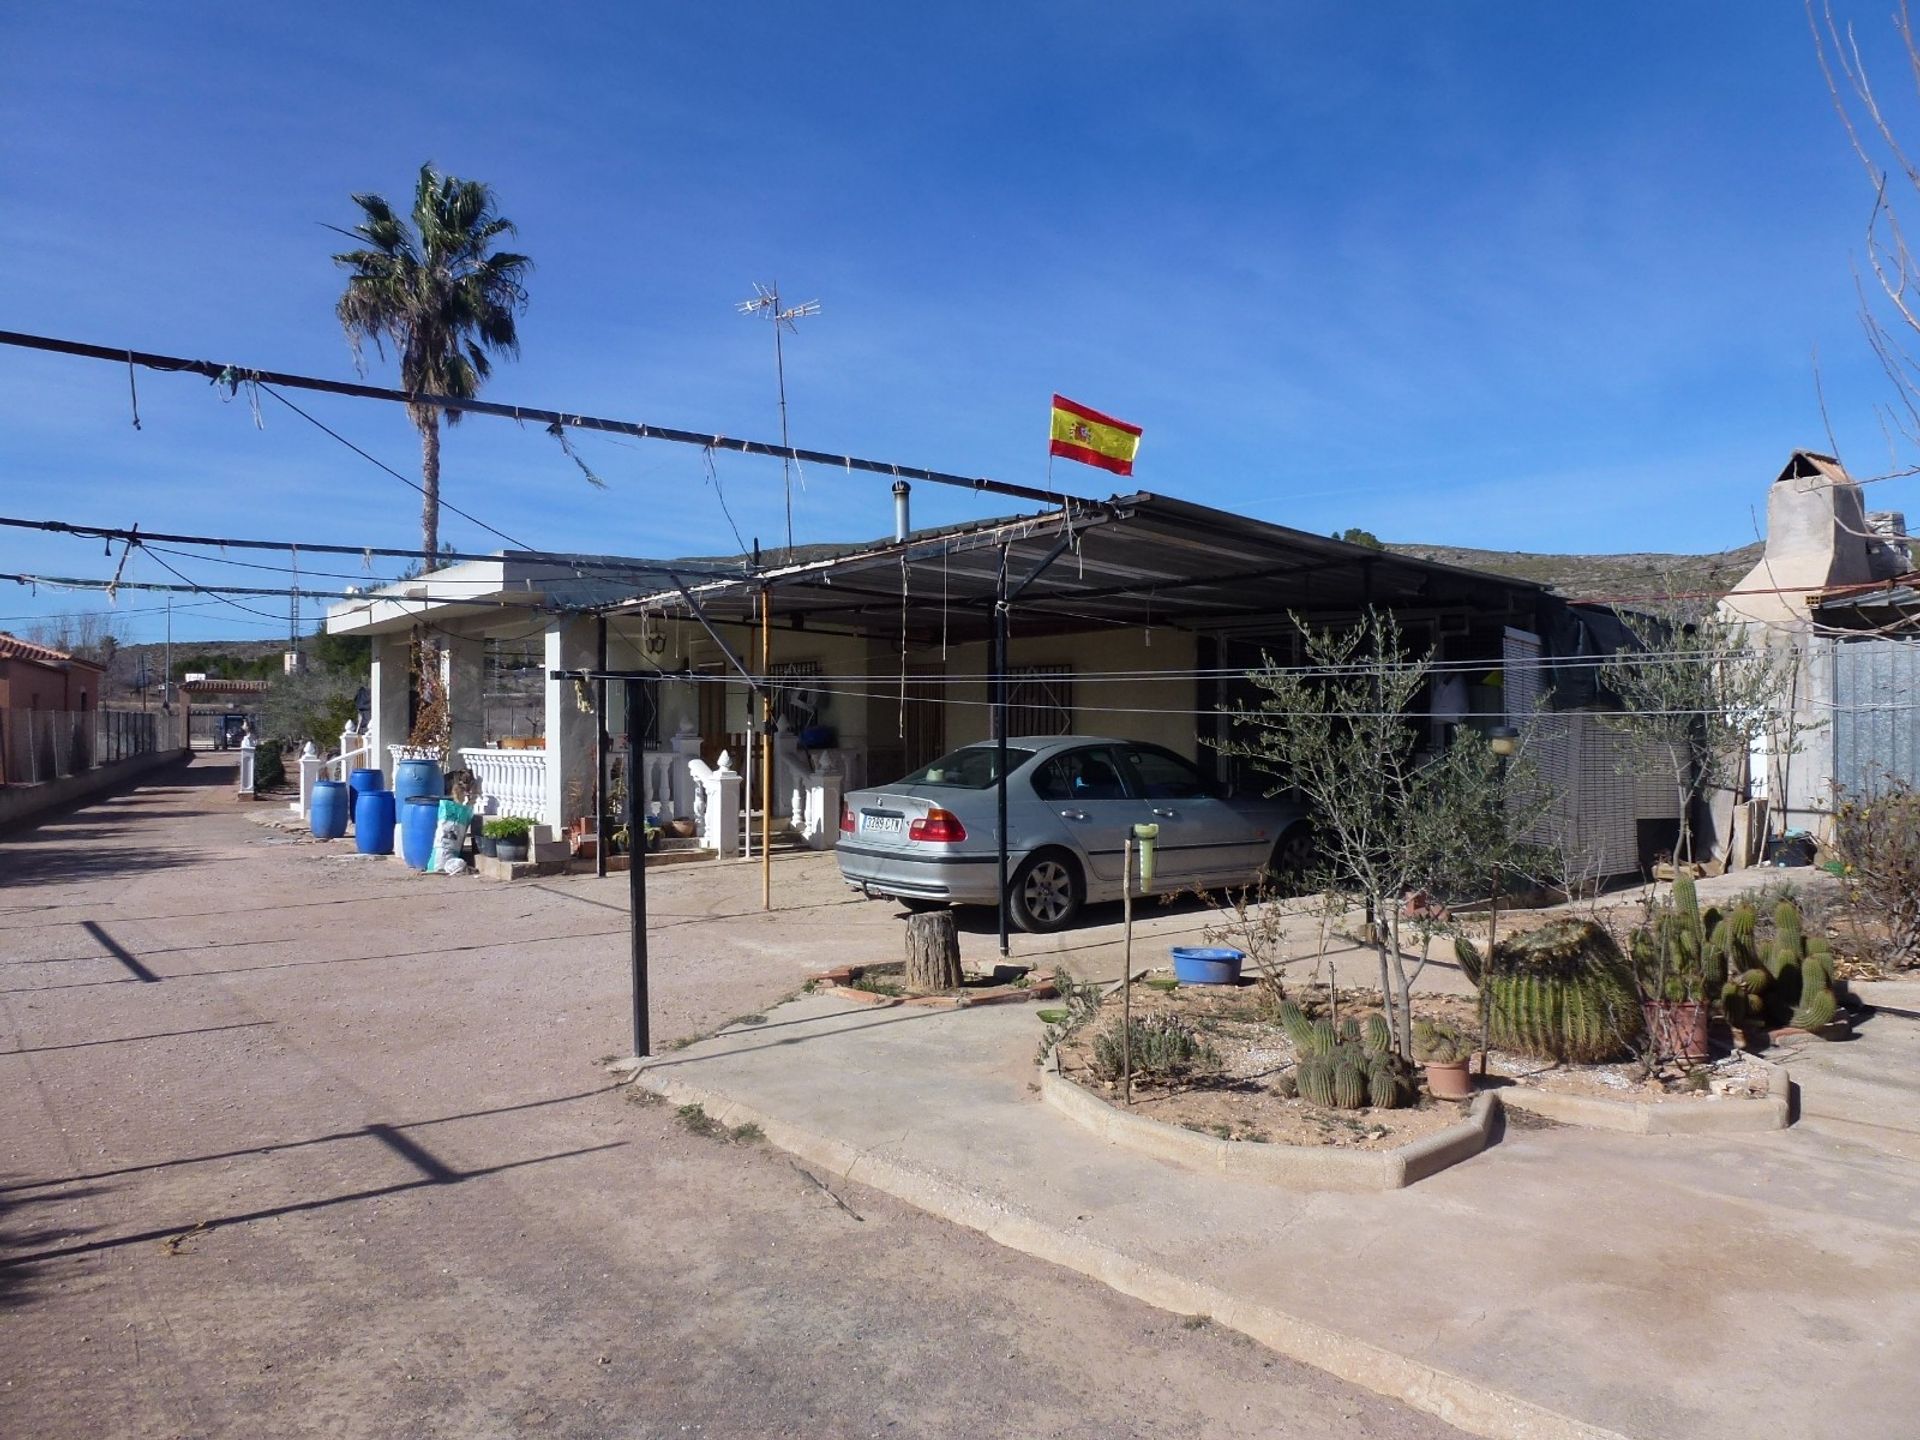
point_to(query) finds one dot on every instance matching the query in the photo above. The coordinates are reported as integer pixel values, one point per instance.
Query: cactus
(1436, 1044)
(1467, 957)
(1314, 1079)
(1321, 1040)
(1817, 1005)
(1563, 991)
(1298, 1027)
(1800, 990)
(1349, 1083)
(1347, 1068)
(1286, 1085)
(1379, 1035)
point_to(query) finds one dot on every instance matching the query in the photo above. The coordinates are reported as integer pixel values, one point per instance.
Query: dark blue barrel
(418, 820)
(416, 777)
(359, 783)
(327, 810)
(373, 821)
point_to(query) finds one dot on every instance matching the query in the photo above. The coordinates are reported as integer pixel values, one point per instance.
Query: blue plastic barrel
(373, 821)
(327, 810)
(359, 783)
(418, 821)
(419, 818)
(1207, 964)
(416, 777)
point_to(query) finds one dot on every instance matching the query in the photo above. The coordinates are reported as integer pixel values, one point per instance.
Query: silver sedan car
(1071, 802)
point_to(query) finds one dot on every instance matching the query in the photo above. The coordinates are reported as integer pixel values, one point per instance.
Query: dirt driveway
(304, 1145)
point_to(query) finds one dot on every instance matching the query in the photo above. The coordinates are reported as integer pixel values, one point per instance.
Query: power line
(618, 566)
(234, 376)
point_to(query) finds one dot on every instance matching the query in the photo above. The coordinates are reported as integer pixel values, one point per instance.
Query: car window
(968, 769)
(1079, 775)
(1161, 775)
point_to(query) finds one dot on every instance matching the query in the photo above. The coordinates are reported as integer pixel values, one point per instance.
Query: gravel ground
(305, 1145)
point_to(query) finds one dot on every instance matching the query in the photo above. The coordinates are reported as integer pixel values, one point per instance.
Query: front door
(712, 691)
(925, 718)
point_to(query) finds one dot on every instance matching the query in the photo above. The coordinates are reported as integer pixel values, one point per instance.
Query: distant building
(47, 700)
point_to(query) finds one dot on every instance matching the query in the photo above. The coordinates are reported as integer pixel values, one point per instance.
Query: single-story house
(47, 704)
(1136, 617)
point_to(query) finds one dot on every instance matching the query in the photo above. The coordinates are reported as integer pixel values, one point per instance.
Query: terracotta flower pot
(682, 829)
(1449, 1080)
(1679, 1027)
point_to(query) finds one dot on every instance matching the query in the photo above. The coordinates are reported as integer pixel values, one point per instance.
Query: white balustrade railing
(511, 782)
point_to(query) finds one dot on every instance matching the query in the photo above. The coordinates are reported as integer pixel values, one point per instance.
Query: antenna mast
(766, 301)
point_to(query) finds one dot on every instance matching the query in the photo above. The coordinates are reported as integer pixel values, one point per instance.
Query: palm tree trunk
(430, 491)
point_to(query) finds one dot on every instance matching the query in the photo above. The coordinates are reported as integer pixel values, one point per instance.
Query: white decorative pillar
(388, 688)
(720, 812)
(311, 767)
(463, 663)
(572, 644)
(823, 805)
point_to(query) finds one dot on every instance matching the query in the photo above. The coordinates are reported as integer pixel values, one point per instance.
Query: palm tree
(442, 297)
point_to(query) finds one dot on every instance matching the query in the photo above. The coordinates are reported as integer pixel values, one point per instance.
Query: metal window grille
(1040, 700)
(796, 696)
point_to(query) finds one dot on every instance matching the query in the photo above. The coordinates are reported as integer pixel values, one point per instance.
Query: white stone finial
(726, 761)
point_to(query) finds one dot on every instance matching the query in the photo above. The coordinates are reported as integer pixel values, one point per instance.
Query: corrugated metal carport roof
(1135, 559)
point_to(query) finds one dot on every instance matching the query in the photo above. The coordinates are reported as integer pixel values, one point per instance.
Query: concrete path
(298, 1144)
(1565, 1283)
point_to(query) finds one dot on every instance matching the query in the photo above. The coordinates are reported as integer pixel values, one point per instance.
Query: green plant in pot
(511, 835)
(1446, 1053)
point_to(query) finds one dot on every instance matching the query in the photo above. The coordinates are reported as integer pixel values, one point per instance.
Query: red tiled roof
(12, 647)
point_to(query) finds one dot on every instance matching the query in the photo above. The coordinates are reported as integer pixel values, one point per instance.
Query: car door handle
(1168, 814)
(1073, 814)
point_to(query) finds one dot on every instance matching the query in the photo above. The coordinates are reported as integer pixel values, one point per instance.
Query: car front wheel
(1046, 893)
(1290, 867)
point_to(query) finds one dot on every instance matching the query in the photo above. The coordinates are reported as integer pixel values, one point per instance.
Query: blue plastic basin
(1207, 964)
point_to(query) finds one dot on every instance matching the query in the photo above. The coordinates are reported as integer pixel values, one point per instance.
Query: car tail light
(846, 819)
(940, 826)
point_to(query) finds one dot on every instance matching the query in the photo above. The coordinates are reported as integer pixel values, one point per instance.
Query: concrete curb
(1317, 1167)
(1775, 1111)
(1466, 1404)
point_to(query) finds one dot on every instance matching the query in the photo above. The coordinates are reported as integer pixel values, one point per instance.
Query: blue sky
(1543, 277)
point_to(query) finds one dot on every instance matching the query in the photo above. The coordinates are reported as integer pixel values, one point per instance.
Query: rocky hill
(1604, 577)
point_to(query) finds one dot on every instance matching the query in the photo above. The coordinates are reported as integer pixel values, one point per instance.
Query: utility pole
(766, 301)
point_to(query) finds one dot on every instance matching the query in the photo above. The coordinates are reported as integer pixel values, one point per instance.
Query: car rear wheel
(1290, 867)
(1047, 893)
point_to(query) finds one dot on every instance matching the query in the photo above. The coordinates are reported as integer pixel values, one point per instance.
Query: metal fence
(41, 745)
(1876, 727)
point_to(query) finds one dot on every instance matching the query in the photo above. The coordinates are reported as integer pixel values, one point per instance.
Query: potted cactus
(1679, 963)
(1446, 1054)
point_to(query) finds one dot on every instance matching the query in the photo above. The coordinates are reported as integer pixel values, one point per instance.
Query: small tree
(1338, 731)
(1700, 694)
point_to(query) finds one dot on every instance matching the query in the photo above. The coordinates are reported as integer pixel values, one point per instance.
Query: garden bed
(1238, 1094)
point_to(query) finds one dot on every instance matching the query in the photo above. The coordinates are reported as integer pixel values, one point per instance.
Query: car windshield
(968, 769)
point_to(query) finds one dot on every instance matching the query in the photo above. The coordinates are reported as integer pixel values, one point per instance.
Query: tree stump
(933, 952)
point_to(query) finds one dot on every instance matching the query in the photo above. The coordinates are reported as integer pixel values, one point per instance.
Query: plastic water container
(1207, 964)
(418, 821)
(327, 810)
(373, 821)
(416, 777)
(359, 783)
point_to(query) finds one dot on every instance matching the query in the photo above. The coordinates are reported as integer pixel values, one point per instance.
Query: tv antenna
(766, 301)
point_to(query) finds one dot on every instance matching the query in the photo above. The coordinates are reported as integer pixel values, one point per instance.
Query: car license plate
(882, 824)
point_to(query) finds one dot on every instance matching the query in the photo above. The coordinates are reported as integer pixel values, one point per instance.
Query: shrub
(1163, 1047)
(508, 827)
(1876, 836)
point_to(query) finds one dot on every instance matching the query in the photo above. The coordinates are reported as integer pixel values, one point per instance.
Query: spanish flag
(1092, 438)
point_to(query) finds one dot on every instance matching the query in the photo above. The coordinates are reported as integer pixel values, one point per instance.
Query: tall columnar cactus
(1563, 991)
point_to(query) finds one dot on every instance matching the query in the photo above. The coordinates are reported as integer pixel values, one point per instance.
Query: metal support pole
(600, 762)
(998, 694)
(1126, 973)
(636, 878)
(766, 751)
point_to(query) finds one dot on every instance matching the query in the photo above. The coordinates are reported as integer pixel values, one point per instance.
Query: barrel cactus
(1563, 992)
(1345, 1068)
